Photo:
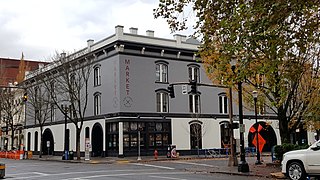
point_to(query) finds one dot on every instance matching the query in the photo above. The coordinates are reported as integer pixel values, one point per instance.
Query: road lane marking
(150, 165)
(80, 172)
(162, 177)
(39, 173)
(132, 174)
(197, 164)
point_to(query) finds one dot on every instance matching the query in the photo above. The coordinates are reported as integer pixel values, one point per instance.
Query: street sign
(184, 89)
(242, 128)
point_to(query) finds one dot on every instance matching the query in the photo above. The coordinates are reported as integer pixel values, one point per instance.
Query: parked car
(300, 164)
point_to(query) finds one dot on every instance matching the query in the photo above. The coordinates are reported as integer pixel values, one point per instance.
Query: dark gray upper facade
(127, 64)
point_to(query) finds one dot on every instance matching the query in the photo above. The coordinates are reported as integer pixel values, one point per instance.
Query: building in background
(12, 117)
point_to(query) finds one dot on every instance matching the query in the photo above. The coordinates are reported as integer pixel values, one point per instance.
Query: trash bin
(2, 170)
(71, 155)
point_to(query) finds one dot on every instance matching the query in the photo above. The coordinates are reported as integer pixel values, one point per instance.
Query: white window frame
(52, 89)
(97, 103)
(161, 72)
(194, 103)
(223, 104)
(53, 112)
(194, 73)
(162, 102)
(97, 76)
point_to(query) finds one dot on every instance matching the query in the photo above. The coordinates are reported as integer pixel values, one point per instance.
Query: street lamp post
(139, 134)
(243, 165)
(255, 97)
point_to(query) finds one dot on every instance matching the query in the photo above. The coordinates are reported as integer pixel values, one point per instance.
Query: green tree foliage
(275, 43)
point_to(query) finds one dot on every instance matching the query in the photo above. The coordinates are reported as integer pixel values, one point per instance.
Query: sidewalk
(267, 169)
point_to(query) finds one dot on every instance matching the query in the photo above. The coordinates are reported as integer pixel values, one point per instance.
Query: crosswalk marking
(39, 173)
(162, 177)
(197, 164)
(150, 165)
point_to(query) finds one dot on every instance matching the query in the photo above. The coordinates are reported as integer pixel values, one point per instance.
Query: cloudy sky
(39, 28)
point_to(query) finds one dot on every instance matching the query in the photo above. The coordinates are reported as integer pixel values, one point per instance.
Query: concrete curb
(278, 175)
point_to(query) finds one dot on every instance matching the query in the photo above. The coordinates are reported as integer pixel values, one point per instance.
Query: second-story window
(223, 103)
(73, 82)
(53, 113)
(52, 91)
(194, 73)
(96, 76)
(162, 101)
(97, 103)
(161, 72)
(194, 103)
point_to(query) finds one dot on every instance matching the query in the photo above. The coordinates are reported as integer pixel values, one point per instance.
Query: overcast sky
(39, 28)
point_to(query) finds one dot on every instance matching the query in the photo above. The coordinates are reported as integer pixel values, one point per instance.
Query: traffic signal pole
(194, 84)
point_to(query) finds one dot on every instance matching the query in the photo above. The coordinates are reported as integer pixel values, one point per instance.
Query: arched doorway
(36, 141)
(47, 136)
(195, 134)
(97, 140)
(267, 133)
(29, 141)
(225, 133)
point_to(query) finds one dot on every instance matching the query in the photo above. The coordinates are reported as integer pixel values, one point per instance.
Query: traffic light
(235, 125)
(171, 91)
(25, 97)
(193, 87)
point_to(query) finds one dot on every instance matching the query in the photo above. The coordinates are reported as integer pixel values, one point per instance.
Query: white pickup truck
(299, 164)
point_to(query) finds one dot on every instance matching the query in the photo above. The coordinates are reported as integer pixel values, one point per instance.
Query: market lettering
(127, 70)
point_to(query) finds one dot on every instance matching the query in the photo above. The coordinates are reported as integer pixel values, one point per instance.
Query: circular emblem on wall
(127, 101)
(115, 102)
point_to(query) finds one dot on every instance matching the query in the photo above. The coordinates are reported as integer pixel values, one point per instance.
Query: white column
(120, 139)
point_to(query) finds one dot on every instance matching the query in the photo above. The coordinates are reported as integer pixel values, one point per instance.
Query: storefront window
(114, 127)
(165, 139)
(153, 134)
(151, 126)
(158, 126)
(151, 140)
(126, 126)
(141, 126)
(159, 139)
(126, 140)
(166, 127)
(134, 140)
(133, 126)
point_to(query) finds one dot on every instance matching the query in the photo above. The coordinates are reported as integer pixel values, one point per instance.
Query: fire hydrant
(155, 153)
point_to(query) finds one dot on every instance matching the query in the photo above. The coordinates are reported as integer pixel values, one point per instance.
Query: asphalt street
(171, 170)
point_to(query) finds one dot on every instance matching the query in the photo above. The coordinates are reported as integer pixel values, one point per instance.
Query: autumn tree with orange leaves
(275, 43)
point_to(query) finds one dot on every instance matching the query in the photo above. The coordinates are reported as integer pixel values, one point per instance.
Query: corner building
(128, 93)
